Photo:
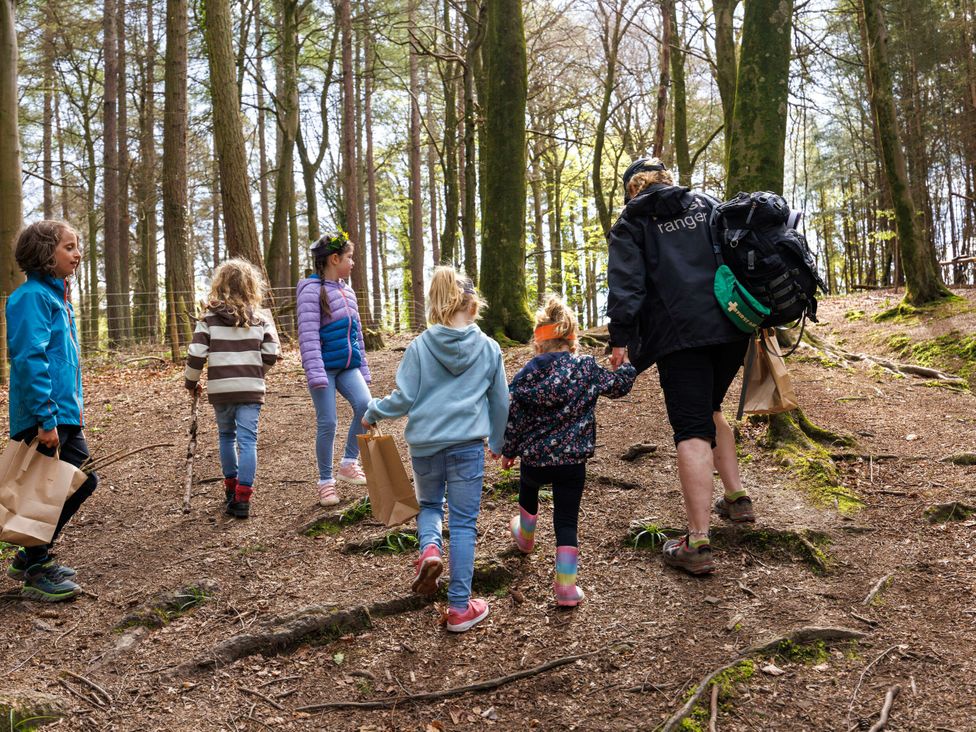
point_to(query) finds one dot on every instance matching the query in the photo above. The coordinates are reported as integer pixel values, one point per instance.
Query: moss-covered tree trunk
(503, 206)
(239, 226)
(922, 280)
(10, 186)
(110, 173)
(448, 71)
(475, 25)
(758, 133)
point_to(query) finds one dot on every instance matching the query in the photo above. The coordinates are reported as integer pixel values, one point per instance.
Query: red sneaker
(458, 622)
(429, 568)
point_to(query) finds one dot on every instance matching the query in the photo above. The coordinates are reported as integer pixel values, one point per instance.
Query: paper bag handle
(33, 451)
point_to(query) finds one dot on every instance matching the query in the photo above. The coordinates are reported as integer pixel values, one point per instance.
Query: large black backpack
(758, 240)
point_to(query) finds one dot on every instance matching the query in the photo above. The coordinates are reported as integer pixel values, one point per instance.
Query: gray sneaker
(679, 555)
(45, 584)
(738, 511)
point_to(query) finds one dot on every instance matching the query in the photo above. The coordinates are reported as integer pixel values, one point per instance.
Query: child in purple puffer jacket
(330, 337)
(552, 426)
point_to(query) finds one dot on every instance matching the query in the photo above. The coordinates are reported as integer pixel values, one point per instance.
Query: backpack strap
(793, 220)
(716, 237)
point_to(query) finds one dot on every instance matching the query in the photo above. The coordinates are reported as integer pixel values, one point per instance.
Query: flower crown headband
(330, 245)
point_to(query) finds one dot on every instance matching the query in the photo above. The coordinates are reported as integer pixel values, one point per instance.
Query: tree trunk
(179, 274)
(503, 206)
(536, 181)
(262, 134)
(125, 165)
(374, 239)
(726, 70)
(147, 297)
(451, 200)
(350, 177)
(417, 316)
(279, 272)
(476, 26)
(432, 173)
(922, 281)
(610, 38)
(47, 49)
(239, 227)
(10, 185)
(758, 132)
(110, 173)
(667, 27)
(682, 156)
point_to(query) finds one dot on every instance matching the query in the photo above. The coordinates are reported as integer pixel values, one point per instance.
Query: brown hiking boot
(679, 555)
(738, 511)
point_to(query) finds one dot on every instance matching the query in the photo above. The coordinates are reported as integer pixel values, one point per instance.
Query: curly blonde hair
(238, 286)
(450, 293)
(555, 312)
(647, 178)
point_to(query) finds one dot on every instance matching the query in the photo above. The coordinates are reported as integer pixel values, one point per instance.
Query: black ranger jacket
(661, 276)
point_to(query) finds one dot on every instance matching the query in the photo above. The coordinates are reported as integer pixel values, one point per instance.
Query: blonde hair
(239, 286)
(450, 293)
(554, 312)
(647, 178)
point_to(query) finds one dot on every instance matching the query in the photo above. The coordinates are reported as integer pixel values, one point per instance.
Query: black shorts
(694, 382)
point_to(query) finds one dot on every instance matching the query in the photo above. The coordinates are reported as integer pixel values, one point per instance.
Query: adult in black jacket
(662, 310)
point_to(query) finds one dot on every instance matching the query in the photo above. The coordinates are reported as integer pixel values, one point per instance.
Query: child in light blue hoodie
(452, 387)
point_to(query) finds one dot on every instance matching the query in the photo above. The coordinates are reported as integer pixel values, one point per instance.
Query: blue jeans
(459, 471)
(237, 429)
(351, 384)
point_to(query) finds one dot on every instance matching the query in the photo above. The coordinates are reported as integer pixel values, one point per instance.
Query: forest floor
(646, 635)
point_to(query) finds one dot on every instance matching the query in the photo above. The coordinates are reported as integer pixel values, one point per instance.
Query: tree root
(169, 605)
(954, 511)
(960, 458)
(612, 482)
(487, 685)
(845, 357)
(886, 709)
(636, 450)
(804, 635)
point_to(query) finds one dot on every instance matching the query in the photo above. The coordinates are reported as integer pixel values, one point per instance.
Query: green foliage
(399, 542)
(650, 535)
(697, 720)
(806, 653)
(333, 524)
(7, 551)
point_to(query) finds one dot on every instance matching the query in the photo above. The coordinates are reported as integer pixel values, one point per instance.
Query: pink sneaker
(429, 568)
(458, 622)
(327, 493)
(351, 473)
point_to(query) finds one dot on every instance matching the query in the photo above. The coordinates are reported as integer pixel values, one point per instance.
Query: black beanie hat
(639, 166)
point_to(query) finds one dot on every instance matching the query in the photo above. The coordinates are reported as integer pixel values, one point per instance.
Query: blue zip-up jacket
(451, 385)
(45, 358)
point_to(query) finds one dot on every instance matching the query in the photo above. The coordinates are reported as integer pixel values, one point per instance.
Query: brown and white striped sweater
(239, 356)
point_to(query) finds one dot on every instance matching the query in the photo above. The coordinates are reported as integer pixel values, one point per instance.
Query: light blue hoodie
(451, 384)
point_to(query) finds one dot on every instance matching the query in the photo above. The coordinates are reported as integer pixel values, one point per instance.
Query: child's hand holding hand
(618, 356)
(507, 462)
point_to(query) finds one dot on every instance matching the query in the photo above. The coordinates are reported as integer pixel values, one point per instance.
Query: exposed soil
(656, 632)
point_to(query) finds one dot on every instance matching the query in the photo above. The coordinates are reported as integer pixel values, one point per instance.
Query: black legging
(567, 491)
(74, 450)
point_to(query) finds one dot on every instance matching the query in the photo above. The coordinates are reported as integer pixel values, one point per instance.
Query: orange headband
(549, 333)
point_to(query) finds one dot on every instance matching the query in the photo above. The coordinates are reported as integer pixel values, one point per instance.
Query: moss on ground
(943, 308)
(697, 719)
(800, 445)
(7, 551)
(169, 606)
(332, 525)
(853, 315)
(954, 352)
(806, 653)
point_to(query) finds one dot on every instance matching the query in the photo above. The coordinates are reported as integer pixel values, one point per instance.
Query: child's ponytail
(450, 293)
(556, 326)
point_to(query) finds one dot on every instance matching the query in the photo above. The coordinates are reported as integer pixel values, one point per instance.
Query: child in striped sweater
(241, 344)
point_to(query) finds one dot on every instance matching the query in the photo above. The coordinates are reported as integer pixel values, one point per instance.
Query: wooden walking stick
(191, 448)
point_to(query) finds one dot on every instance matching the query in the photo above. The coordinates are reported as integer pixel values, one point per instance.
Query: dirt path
(656, 632)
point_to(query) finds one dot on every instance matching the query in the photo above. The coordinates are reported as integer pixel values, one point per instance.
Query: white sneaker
(327, 493)
(351, 473)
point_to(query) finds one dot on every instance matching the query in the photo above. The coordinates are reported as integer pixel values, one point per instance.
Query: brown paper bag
(766, 385)
(33, 489)
(391, 493)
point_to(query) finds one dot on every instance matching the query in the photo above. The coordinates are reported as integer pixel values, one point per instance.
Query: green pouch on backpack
(745, 311)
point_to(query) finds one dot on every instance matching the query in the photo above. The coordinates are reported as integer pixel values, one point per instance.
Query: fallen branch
(886, 709)
(266, 699)
(675, 721)
(191, 448)
(878, 587)
(636, 450)
(105, 695)
(860, 680)
(713, 710)
(395, 701)
(110, 459)
(614, 482)
(136, 359)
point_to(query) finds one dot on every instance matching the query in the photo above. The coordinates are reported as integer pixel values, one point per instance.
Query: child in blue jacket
(451, 385)
(45, 384)
(552, 426)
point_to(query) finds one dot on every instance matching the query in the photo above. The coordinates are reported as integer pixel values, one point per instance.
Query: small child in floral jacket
(552, 426)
